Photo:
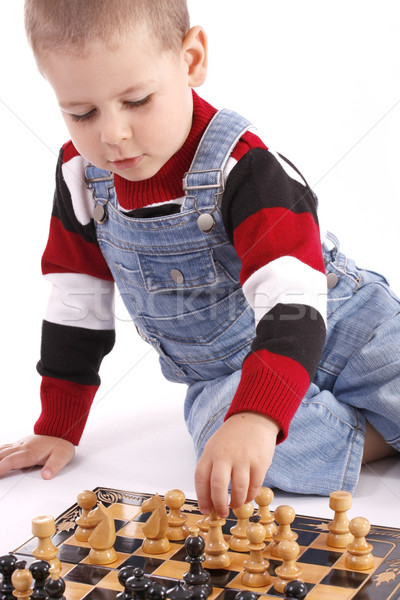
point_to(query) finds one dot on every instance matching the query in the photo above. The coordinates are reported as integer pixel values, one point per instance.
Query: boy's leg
(360, 363)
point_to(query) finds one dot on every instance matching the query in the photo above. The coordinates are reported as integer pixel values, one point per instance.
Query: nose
(114, 129)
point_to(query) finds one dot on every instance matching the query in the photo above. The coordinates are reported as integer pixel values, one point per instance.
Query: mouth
(126, 163)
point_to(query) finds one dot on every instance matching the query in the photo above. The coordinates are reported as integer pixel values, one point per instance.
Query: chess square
(88, 574)
(72, 554)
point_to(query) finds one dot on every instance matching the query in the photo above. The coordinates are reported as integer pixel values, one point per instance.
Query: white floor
(321, 82)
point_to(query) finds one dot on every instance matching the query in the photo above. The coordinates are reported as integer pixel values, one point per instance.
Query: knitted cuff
(272, 385)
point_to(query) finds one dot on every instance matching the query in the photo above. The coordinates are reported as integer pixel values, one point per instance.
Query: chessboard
(323, 567)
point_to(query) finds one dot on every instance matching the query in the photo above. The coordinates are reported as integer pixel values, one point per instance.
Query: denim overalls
(179, 279)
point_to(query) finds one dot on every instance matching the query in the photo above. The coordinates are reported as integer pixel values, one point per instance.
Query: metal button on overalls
(331, 280)
(177, 276)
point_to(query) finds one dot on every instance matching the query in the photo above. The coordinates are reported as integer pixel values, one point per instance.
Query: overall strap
(205, 180)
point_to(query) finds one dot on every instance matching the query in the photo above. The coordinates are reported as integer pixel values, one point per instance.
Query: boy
(124, 88)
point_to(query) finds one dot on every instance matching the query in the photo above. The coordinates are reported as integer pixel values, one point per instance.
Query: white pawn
(284, 516)
(256, 566)
(216, 548)
(289, 570)
(87, 500)
(264, 499)
(239, 540)
(358, 555)
(21, 580)
(177, 528)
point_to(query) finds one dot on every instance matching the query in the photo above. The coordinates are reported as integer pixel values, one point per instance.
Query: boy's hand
(52, 452)
(240, 451)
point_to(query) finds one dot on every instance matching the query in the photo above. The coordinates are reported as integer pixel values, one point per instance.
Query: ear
(195, 55)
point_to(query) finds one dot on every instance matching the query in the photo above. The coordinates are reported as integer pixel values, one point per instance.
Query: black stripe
(73, 353)
(259, 181)
(293, 330)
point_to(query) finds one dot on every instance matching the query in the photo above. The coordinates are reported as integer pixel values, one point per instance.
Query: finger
(16, 460)
(219, 481)
(57, 459)
(257, 476)
(8, 449)
(240, 485)
(202, 484)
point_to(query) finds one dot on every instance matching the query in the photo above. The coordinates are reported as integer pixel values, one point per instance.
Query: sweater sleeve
(270, 217)
(78, 328)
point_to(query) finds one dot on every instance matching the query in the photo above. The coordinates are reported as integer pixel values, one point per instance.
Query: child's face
(127, 110)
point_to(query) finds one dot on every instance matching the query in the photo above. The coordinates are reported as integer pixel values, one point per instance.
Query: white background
(321, 81)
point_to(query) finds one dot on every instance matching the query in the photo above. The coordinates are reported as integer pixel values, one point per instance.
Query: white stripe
(80, 300)
(82, 198)
(285, 280)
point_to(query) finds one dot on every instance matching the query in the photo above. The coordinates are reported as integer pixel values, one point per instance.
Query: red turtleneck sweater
(270, 217)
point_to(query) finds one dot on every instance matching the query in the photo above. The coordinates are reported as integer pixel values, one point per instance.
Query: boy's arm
(270, 217)
(78, 329)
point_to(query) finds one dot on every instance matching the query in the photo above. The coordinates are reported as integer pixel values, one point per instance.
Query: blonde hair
(74, 25)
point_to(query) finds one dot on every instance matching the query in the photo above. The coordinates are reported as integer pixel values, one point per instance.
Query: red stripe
(272, 385)
(69, 151)
(247, 141)
(272, 233)
(68, 252)
(65, 408)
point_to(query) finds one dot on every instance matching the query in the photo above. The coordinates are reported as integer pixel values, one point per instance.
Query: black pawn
(156, 591)
(123, 575)
(55, 588)
(196, 577)
(246, 595)
(7, 568)
(40, 571)
(179, 592)
(295, 590)
(138, 584)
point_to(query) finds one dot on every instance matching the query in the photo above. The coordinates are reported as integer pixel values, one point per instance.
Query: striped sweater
(270, 217)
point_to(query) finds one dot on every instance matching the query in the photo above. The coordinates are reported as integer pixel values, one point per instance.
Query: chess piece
(204, 523)
(196, 577)
(264, 498)
(177, 528)
(295, 590)
(246, 595)
(339, 534)
(123, 575)
(40, 570)
(156, 591)
(284, 516)
(216, 555)
(289, 551)
(44, 527)
(55, 586)
(21, 580)
(138, 584)
(7, 568)
(102, 538)
(239, 541)
(87, 501)
(358, 555)
(156, 527)
(179, 592)
(256, 567)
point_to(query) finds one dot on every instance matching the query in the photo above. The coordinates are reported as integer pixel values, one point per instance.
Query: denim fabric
(181, 287)
(201, 326)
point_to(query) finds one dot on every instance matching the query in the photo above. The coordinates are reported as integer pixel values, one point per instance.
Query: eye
(85, 117)
(138, 103)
